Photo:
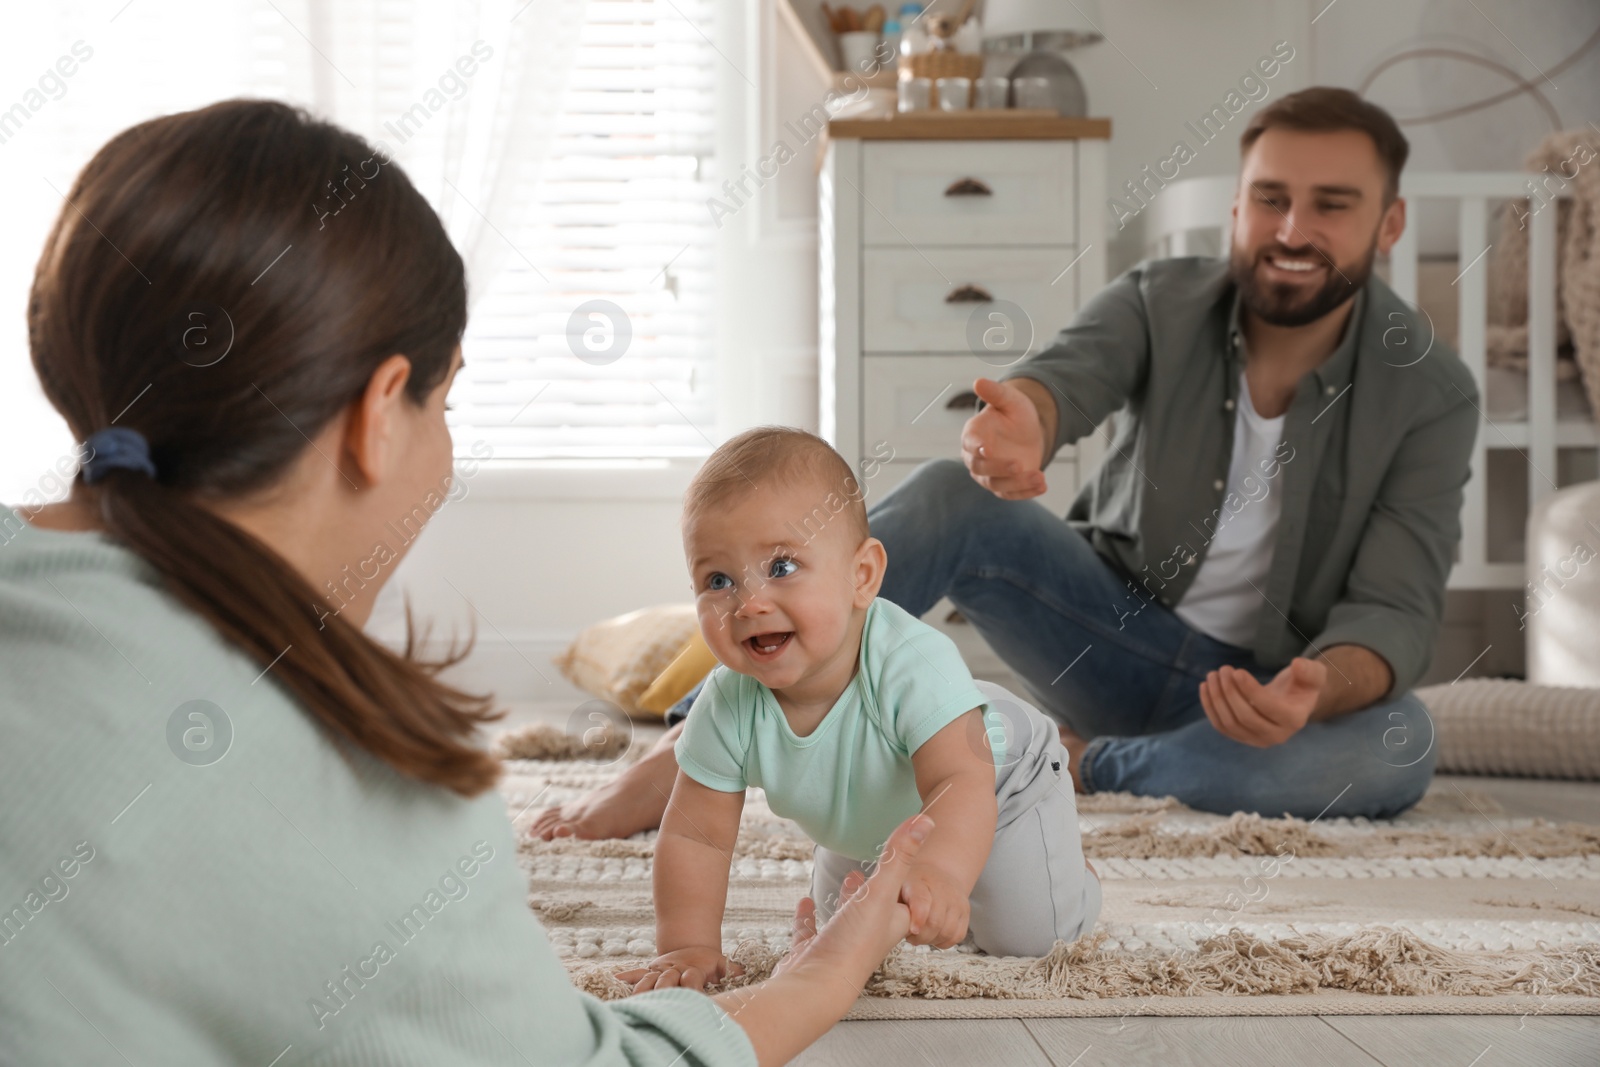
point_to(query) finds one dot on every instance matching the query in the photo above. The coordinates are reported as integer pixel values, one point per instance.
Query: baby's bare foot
(634, 802)
(610, 811)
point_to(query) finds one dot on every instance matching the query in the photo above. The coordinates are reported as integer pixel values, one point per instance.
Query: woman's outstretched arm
(823, 974)
(821, 977)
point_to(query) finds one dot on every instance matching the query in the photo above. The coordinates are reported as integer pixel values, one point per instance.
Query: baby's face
(775, 588)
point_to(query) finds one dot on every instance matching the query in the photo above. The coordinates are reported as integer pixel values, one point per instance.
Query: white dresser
(944, 244)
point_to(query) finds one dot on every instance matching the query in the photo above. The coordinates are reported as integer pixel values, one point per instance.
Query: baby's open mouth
(765, 646)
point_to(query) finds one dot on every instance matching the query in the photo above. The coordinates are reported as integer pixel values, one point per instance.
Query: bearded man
(1255, 576)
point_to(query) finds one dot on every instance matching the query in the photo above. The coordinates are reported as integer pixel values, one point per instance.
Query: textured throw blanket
(1560, 156)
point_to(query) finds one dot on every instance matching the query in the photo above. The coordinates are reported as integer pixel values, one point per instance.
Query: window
(596, 338)
(619, 210)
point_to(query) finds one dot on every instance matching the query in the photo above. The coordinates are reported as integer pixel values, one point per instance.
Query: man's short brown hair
(1324, 108)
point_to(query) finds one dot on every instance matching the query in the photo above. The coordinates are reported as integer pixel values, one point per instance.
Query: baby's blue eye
(782, 563)
(711, 583)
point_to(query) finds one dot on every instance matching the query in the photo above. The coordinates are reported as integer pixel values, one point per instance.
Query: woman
(232, 827)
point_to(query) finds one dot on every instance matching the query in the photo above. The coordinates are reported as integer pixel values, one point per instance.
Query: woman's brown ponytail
(303, 258)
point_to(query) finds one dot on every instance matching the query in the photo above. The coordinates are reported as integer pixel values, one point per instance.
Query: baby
(852, 715)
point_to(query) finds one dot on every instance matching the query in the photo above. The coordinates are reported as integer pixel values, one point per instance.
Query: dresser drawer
(905, 401)
(924, 300)
(974, 193)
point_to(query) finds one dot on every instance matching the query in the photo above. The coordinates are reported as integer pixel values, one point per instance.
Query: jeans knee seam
(1161, 702)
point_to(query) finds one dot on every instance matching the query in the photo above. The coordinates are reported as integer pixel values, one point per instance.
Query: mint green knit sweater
(280, 905)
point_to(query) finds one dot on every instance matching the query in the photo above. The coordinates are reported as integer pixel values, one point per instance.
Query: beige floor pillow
(618, 658)
(1490, 726)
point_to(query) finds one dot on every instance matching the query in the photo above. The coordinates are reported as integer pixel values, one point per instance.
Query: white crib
(1525, 421)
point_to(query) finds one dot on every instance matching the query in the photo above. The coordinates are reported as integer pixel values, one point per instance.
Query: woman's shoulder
(83, 618)
(104, 668)
(37, 559)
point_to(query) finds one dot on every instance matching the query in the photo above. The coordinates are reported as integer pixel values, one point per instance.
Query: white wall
(528, 558)
(1164, 64)
(1422, 59)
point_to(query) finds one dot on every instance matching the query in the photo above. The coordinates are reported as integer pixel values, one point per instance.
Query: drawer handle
(968, 187)
(969, 294)
(962, 401)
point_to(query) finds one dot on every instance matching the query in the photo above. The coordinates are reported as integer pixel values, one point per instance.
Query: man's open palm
(1003, 444)
(1242, 708)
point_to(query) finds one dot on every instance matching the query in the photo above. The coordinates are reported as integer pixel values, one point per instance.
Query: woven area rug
(1453, 908)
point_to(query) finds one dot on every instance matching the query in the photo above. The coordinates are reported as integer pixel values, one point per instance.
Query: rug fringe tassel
(1381, 960)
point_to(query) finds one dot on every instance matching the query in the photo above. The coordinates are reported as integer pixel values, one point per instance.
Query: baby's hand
(939, 907)
(691, 968)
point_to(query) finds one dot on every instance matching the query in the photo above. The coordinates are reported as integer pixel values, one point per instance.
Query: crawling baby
(852, 715)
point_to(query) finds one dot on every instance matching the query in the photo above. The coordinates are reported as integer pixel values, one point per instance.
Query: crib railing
(1193, 206)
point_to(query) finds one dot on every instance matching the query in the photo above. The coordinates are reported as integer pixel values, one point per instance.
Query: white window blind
(618, 214)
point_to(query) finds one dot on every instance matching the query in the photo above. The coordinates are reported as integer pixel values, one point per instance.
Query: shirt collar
(1335, 371)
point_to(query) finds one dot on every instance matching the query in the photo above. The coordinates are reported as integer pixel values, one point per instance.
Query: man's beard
(1283, 305)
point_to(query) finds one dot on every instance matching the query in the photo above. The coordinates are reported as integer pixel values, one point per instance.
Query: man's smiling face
(1309, 218)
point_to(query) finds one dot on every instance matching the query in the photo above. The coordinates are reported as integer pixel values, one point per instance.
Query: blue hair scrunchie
(114, 448)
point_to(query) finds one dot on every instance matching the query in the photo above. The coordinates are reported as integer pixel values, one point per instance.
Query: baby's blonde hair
(772, 458)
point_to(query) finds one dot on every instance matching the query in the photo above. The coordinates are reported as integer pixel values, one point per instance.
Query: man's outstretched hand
(1242, 708)
(1003, 445)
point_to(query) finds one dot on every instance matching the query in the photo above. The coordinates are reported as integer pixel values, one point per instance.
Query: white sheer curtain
(467, 140)
(465, 95)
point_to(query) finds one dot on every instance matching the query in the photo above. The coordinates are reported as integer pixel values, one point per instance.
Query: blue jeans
(1124, 671)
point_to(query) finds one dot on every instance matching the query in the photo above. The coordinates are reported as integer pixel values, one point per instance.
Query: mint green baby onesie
(851, 781)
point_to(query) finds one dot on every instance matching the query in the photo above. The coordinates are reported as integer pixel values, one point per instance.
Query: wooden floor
(1242, 1041)
(1246, 1041)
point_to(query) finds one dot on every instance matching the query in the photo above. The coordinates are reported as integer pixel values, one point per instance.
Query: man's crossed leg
(1124, 672)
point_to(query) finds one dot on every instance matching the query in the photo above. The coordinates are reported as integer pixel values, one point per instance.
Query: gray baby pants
(1035, 888)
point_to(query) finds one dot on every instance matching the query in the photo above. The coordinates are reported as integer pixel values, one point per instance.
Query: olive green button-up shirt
(1374, 458)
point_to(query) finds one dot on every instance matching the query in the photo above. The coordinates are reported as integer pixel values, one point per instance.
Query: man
(1241, 599)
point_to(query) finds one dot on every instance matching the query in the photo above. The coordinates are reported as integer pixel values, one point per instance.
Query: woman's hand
(870, 920)
(821, 977)
(692, 968)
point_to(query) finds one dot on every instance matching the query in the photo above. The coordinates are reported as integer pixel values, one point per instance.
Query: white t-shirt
(1222, 602)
